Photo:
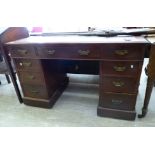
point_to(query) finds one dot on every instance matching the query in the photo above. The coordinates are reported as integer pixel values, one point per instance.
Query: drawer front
(27, 64)
(123, 68)
(31, 78)
(35, 91)
(118, 84)
(118, 101)
(71, 51)
(123, 52)
(22, 51)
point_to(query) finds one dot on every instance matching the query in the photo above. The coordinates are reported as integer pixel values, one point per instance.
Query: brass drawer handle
(26, 64)
(118, 84)
(121, 52)
(31, 77)
(83, 52)
(50, 52)
(34, 91)
(116, 102)
(119, 68)
(22, 51)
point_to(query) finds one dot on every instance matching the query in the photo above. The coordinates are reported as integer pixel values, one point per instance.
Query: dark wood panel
(35, 91)
(118, 101)
(71, 66)
(28, 64)
(29, 77)
(123, 51)
(22, 51)
(46, 103)
(115, 113)
(118, 84)
(81, 67)
(121, 68)
(42, 91)
(35, 102)
(69, 51)
(54, 73)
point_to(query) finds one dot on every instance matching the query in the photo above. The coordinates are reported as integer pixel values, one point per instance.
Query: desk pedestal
(47, 103)
(42, 68)
(114, 113)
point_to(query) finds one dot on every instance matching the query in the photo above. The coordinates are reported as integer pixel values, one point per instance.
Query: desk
(42, 64)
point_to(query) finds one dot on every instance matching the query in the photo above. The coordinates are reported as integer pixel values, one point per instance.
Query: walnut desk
(42, 64)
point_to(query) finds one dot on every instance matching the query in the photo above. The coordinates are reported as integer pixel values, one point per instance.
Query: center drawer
(71, 51)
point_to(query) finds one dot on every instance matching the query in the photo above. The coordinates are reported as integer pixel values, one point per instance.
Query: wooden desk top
(151, 39)
(78, 39)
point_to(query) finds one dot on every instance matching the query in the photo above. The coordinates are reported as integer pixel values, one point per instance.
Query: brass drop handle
(121, 52)
(34, 91)
(83, 52)
(50, 52)
(22, 51)
(31, 77)
(26, 64)
(119, 68)
(116, 102)
(118, 83)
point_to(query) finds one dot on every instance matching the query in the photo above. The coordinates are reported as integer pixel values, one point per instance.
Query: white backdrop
(77, 13)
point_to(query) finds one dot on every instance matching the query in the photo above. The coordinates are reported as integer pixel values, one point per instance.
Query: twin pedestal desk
(42, 64)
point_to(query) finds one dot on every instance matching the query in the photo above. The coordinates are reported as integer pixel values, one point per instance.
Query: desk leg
(12, 74)
(148, 92)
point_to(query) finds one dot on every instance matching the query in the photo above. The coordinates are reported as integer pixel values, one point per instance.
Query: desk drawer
(27, 64)
(22, 51)
(71, 51)
(35, 91)
(118, 101)
(123, 68)
(118, 84)
(123, 52)
(30, 77)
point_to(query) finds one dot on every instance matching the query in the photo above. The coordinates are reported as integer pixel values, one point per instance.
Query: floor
(76, 107)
